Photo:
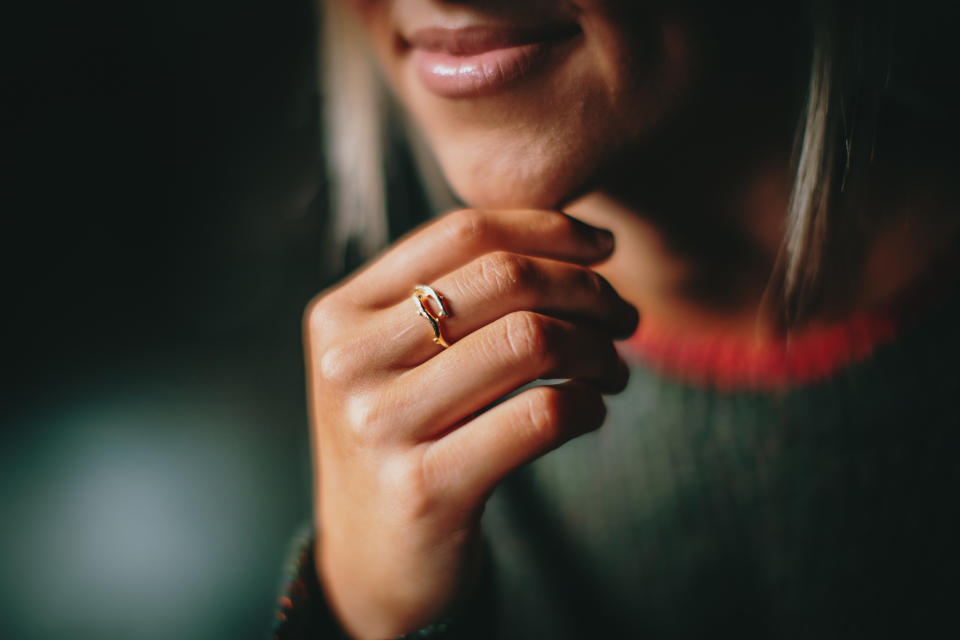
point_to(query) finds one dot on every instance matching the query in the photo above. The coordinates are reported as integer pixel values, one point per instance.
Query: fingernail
(603, 238)
(634, 320)
(630, 323)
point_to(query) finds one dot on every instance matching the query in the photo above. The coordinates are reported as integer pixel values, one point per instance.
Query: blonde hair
(809, 212)
(354, 127)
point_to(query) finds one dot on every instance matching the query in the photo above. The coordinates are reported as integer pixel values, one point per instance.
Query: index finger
(458, 237)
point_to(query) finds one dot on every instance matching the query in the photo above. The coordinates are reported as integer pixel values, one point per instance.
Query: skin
(660, 123)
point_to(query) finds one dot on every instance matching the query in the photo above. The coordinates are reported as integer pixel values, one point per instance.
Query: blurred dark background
(163, 229)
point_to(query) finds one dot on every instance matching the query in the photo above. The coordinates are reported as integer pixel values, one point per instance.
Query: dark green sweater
(824, 510)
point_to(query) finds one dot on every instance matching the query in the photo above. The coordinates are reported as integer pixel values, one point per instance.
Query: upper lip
(472, 40)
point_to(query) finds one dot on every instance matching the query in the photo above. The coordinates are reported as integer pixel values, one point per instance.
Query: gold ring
(421, 292)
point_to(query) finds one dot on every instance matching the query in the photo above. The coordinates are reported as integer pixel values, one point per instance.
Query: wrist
(369, 598)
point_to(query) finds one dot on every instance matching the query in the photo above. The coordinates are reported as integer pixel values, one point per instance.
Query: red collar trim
(726, 363)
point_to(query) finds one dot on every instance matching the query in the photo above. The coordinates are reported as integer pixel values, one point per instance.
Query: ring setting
(422, 292)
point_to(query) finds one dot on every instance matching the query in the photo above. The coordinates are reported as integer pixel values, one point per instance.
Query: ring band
(421, 292)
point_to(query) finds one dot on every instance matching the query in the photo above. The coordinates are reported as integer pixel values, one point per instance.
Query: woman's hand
(404, 460)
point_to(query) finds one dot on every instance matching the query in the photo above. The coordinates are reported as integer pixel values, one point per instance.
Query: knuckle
(405, 478)
(556, 414)
(560, 225)
(507, 273)
(367, 420)
(528, 338)
(316, 316)
(545, 412)
(468, 227)
(322, 316)
(340, 364)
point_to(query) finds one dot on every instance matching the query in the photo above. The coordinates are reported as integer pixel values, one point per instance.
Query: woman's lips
(478, 60)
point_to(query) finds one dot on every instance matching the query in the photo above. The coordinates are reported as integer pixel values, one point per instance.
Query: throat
(690, 277)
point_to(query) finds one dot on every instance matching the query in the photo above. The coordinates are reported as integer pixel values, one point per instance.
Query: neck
(696, 276)
(698, 272)
(698, 207)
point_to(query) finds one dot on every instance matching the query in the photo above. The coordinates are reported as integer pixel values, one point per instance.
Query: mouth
(479, 60)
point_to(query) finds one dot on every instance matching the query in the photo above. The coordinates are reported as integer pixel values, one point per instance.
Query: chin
(520, 180)
(536, 190)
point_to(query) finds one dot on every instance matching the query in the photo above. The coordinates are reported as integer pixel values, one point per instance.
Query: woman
(781, 461)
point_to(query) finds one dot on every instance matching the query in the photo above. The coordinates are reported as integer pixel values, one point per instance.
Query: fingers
(471, 460)
(491, 362)
(499, 283)
(461, 236)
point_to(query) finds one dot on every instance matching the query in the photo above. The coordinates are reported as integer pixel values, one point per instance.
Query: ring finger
(497, 284)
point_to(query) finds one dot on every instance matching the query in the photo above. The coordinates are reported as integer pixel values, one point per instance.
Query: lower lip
(452, 76)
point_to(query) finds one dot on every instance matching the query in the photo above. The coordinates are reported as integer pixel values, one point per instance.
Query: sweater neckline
(734, 364)
(731, 363)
